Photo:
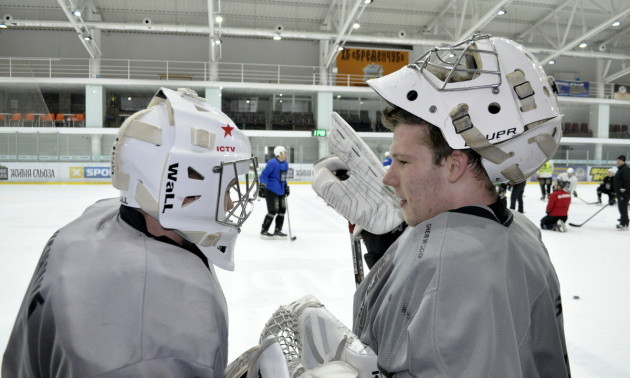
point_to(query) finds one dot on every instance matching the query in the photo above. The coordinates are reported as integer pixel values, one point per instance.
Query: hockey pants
(276, 207)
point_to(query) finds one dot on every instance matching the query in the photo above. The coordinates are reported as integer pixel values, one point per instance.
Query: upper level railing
(171, 70)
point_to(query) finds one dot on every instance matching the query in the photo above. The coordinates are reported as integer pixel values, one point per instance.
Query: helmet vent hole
(546, 91)
(199, 108)
(194, 175)
(412, 95)
(190, 200)
(494, 108)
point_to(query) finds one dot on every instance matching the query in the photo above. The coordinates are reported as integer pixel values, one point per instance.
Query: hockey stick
(286, 199)
(582, 224)
(588, 203)
(357, 260)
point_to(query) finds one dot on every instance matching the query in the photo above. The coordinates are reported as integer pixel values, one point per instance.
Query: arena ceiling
(550, 28)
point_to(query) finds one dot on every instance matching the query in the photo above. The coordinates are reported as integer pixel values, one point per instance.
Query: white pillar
(94, 105)
(97, 149)
(213, 97)
(324, 119)
(599, 120)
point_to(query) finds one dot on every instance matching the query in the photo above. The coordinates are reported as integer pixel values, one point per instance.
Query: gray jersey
(106, 300)
(463, 295)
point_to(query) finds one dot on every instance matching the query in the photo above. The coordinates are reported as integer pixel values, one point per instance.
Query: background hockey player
(545, 176)
(571, 179)
(557, 208)
(388, 160)
(129, 288)
(607, 187)
(516, 198)
(468, 289)
(274, 188)
(622, 190)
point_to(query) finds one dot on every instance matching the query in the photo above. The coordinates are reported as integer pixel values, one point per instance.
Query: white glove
(311, 338)
(362, 198)
(337, 369)
(262, 361)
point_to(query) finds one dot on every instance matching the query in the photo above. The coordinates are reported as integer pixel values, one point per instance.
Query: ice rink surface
(592, 262)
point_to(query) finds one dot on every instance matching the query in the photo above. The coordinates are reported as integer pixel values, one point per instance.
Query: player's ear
(456, 164)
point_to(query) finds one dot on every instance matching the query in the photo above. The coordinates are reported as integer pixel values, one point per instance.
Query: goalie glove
(262, 361)
(351, 181)
(311, 338)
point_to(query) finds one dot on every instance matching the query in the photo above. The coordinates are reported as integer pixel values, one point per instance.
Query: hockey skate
(279, 235)
(560, 226)
(622, 228)
(266, 235)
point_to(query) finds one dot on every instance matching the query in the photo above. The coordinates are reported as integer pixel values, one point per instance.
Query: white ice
(592, 262)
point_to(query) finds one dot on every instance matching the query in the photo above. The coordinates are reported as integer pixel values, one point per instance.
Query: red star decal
(228, 130)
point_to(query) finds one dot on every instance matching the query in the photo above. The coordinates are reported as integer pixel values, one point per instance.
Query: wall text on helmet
(170, 186)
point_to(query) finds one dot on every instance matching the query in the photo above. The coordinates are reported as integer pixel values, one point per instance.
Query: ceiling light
(218, 19)
(87, 37)
(338, 96)
(616, 23)
(2, 25)
(280, 94)
(368, 1)
(76, 12)
(218, 41)
(340, 48)
(552, 62)
(501, 12)
(583, 45)
(356, 25)
(276, 36)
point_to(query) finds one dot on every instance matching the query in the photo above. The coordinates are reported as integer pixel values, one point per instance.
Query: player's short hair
(393, 116)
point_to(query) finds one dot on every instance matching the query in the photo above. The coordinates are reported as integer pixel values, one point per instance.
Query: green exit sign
(319, 132)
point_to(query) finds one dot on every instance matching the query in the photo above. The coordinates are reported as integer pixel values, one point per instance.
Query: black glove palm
(261, 191)
(286, 190)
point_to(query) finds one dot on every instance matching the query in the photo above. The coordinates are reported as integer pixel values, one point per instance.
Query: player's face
(413, 175)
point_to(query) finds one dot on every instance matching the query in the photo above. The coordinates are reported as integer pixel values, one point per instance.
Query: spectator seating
(47, 120)
(77, 120)
(60, 120)
(299, 121)
(575, 129)
(248, 120)
(29, 120)
(618, 131)
(16, 119)
(358, 121)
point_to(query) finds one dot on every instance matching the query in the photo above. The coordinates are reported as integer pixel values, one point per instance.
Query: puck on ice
(576, 297)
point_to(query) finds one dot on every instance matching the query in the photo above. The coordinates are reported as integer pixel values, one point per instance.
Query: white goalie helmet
(188, 166)
(485, 93)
